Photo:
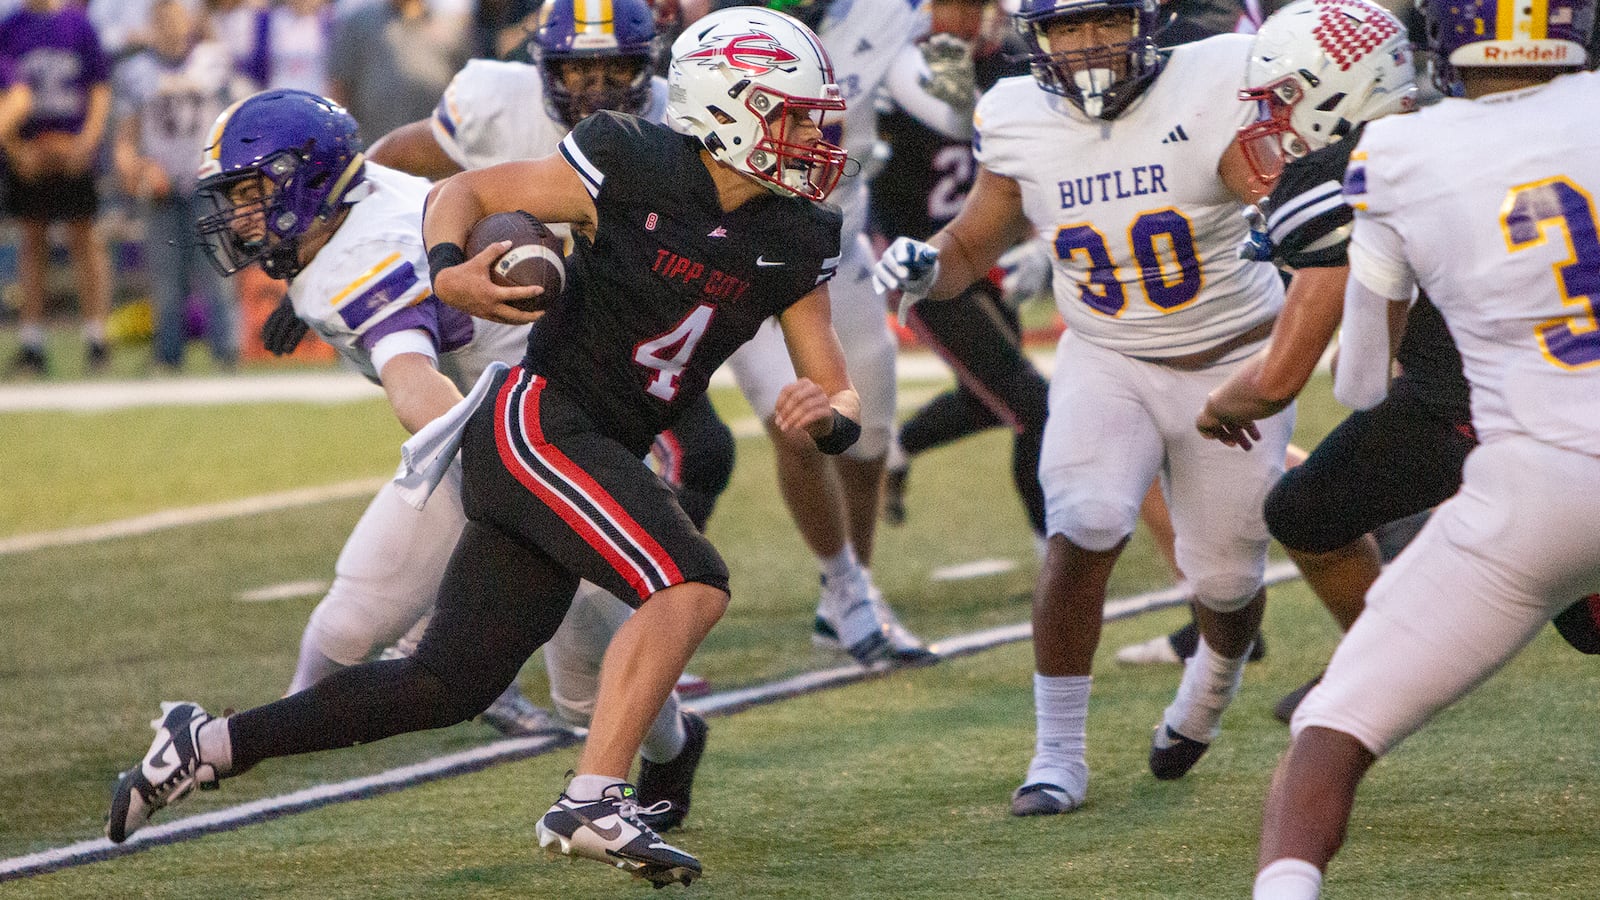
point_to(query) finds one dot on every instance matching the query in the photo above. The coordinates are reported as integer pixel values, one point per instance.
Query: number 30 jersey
(1490, 206)
(1144, 231)
(671, 284)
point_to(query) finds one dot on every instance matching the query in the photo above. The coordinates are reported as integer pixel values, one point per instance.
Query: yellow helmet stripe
(214, 139)
(593, 16)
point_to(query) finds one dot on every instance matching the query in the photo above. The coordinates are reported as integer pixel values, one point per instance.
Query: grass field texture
(895, 787)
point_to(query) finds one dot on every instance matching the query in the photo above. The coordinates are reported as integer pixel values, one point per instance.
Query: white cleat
(169, 771)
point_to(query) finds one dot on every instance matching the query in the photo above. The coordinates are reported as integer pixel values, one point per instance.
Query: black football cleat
(1284, 711)
(672, 781)
(1172, 755)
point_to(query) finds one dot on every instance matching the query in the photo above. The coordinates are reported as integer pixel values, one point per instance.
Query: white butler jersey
(1144, 232)
(371, 279)
(863, 39)
(494, 112)
(1490, 205)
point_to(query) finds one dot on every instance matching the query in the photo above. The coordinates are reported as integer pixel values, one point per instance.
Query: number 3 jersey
(671, 285)
(1489, 206)
(1144, 231)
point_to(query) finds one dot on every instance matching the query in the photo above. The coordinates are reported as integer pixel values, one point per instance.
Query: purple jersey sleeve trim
(441, 114)
(448, 327)
(358, 309)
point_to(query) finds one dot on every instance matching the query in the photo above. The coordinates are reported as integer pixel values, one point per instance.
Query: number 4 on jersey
(667, 354)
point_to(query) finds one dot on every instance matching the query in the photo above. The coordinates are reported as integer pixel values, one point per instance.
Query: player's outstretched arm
(821, 402)
(989, 224)
(548, 188)
(418, 392)
(1270, 380)
(412, 148)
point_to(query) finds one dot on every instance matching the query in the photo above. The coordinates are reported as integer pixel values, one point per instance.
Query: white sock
(31, 335)
(1061, 713)
(666, 737)
(588, 788)
(94, 331)
(896, 457)
(1288, 879)
(839, 566)
(1209, 683)
(313, 665)
(215, 744)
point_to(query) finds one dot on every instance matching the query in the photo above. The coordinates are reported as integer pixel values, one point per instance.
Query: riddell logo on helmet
(755, 53)
(1522, 55)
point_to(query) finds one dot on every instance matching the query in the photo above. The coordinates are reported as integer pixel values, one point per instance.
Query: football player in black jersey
(687, 241)
(921, 188)
(1318, 71)
(1394, 462)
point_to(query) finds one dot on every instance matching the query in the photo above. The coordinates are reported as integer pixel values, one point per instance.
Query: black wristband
(443, 256)
(846, 431)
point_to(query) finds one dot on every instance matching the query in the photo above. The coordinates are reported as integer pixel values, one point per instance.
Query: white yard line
(722, 703)
(745, 428)
(326, 386)
(190, 515)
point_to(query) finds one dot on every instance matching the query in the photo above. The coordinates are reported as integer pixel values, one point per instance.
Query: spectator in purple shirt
(50, 176)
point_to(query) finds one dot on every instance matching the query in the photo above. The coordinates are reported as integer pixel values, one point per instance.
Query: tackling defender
(666, 279)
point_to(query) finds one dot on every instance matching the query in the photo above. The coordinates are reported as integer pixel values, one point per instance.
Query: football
(534, 258)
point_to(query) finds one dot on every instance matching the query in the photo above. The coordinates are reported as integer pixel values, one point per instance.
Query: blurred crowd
(105, 109)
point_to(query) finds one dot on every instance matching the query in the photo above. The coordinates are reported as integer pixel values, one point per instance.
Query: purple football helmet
(1505, 33)
(574, 30)
(1085, 76)
(274, 164)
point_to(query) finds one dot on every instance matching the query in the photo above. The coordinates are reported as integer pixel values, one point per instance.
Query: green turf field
(896, 787)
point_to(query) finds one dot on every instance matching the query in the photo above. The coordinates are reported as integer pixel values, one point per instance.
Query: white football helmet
(1319, 68)
(740, 79)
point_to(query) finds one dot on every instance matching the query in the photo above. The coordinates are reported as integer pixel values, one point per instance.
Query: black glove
(282, 331)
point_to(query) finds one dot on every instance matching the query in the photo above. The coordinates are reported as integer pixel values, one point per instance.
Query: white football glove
(1257, 245)
(1028, 270)
(908, 266)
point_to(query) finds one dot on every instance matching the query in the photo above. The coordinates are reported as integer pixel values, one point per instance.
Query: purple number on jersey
(1572, 342)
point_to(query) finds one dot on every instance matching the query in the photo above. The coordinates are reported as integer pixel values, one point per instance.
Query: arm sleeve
(905, 83)
(410, 340)
(1362, 379)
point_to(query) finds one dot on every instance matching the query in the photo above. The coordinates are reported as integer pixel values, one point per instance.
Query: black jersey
(928, 175)
(671, 284)
(1309, 225)
(924, 182)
